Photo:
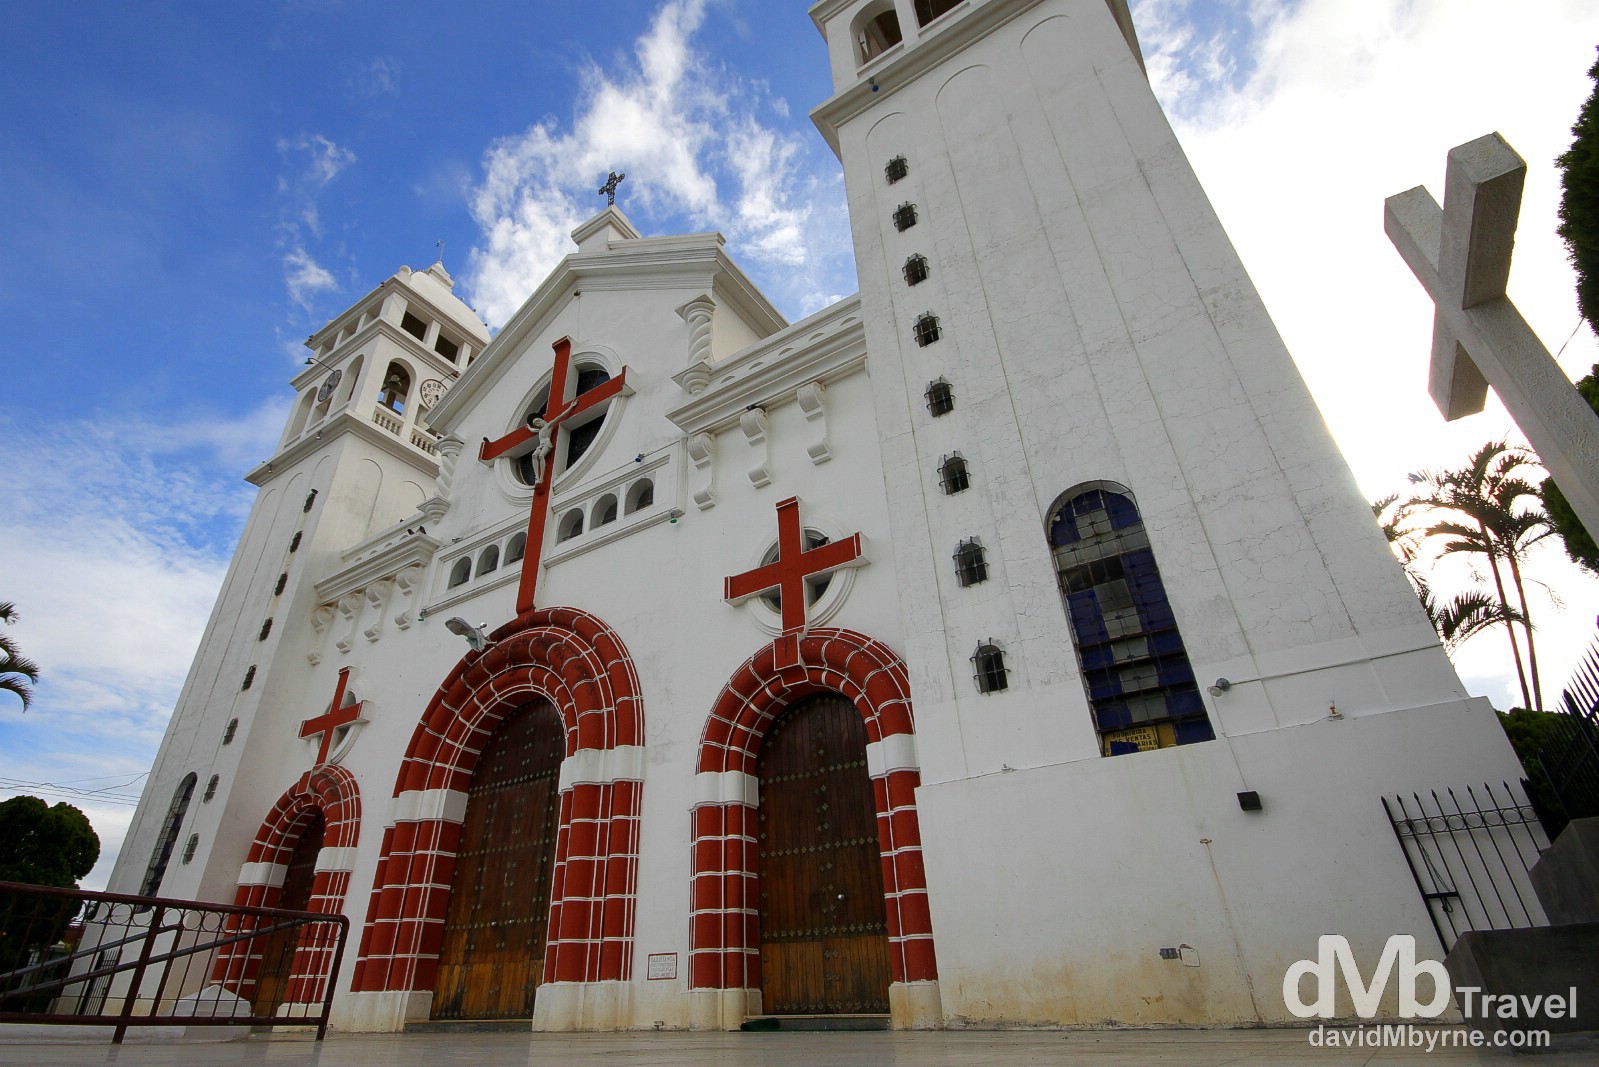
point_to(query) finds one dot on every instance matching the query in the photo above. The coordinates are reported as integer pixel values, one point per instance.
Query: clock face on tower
(432, 391)
(330, 383)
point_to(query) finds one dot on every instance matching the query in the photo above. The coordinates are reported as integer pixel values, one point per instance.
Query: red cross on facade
(560, 409)
(338, 714)
(787, 574)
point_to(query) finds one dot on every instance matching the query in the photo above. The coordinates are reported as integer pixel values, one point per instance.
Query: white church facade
(1006, 644)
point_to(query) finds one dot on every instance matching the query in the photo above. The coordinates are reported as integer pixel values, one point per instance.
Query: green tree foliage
(1579, 202)
(1488, 511)
(1580, 544)
(40, 845)
(1531, 734)
(17, 672)
(44, 845)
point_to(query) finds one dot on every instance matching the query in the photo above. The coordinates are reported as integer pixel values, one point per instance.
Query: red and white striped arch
(724, 936)
(333, 791)
(583, 668)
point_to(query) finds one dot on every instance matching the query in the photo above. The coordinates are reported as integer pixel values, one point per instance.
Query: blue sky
(189, 190)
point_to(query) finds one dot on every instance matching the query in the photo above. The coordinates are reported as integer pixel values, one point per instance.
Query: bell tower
(1134, 572)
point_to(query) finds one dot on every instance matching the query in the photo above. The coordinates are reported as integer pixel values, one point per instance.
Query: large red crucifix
(338, 714)
(560, 409)
(787, 574)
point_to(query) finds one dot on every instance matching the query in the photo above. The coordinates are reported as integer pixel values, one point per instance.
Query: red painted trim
(333, 791)
(583, 668)
(724, 931)
(336, 716)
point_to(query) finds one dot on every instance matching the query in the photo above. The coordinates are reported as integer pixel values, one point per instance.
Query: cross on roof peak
(608, 190)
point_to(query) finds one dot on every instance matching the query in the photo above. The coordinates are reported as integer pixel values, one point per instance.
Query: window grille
(988, 668)
(971, 566)
(926, 330)
(266, 628)
(210, 789)
(916, 269)
(940, 397)
(161, 855)
(283, 580)
(232, 728)
(904, 216)
(249, 678)
(190, 847)
(953, 474)
(896, 169)
(309, 500)
(294, 542)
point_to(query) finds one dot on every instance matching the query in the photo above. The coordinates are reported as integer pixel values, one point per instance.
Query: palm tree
(1484, 514)
(1458, 619)
(17, 672)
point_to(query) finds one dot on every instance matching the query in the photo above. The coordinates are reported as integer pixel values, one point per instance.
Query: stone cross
(609, 188)
(557, 411)
(788, 572)
(1461, 255)
(338, 714)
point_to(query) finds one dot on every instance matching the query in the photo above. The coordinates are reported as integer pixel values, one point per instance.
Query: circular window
(576, 439)
(824, 593)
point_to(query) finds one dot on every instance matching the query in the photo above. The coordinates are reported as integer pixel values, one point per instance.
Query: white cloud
(114, 555)
(1348, 103)
(305, 277)
(688, 133)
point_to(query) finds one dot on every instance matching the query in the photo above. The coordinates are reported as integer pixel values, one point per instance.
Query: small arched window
(190, 848)
(896, 169)
(294, 542)
(571, 525)
(905, 216)
(604, 511)
(228, 731)
(928, 10)
(516, 547)
(988, 668)
(953, 475)
(210, 789)
(396, 388)
(640, 495)
(461, 572)
(283, 580)
(1140, 685)
(489, 560)
(940, 397)
(876, 30)
(915, 269)
(249, 678)
(926, 330)
(161, 855)
(971, 566)
(266, 630)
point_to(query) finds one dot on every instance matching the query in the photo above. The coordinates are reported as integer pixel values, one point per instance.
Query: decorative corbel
(812, 398)
(350, 608)
(319, 625)
(753, 423)
(406, 582)
(377, 594)
(701, 452)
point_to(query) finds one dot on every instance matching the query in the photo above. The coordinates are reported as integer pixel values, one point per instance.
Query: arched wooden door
(492, 956)
(277, 954)
(824, 928)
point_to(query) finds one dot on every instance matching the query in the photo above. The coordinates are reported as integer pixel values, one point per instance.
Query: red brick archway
(724, 936)
(583, 668)
(333, 791)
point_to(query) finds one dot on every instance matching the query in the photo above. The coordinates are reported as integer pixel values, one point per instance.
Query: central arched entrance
(491, 958)
(824, 926)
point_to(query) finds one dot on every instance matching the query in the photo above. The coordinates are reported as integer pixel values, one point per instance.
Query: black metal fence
(109, 959)
(1469, 854)
(1569, 756)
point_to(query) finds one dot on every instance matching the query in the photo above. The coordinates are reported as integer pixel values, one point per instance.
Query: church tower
(1160, 656)
(356, 456)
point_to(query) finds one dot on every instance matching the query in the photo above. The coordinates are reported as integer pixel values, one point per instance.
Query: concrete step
(469, 1026)
(815, 1022)
(1566, 876)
